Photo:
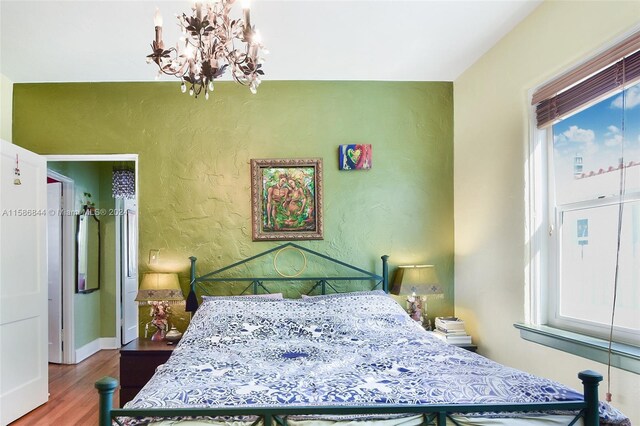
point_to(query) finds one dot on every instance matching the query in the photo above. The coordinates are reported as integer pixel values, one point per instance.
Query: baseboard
(109, 343)
(97, 345)
(87, 350)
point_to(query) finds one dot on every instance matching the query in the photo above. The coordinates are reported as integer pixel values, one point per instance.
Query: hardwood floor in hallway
(73, 400)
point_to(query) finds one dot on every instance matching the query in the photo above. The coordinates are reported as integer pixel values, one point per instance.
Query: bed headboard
(255, 283)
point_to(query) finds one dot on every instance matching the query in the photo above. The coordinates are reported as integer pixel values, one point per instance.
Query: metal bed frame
(257, 283)
(433, 414)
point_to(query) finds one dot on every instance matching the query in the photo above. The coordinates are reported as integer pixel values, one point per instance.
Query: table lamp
(159, 290)
(414, 281)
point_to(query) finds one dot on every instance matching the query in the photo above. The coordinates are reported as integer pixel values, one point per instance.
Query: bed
(341, 358)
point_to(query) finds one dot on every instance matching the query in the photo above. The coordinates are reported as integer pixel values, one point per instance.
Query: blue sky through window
(600, 135)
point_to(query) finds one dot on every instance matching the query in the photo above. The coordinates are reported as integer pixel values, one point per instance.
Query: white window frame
(537, 252)
(542, 236)
(554, 319)
(537, 224)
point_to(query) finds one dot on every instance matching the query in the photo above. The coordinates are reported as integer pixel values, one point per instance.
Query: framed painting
(286, 199)
(354, 157)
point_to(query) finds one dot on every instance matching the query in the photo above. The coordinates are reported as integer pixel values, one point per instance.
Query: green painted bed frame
(433, 414)
(258, 282)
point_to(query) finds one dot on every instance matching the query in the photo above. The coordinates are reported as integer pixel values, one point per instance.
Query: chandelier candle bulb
(255, 43)
(190, 52)
(157, 21)
(247, 17)
(157, 18)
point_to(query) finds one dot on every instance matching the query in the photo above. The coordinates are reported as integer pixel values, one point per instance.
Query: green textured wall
(107, 253)
(194, 163)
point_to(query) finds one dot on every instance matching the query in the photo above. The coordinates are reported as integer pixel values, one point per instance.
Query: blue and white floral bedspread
(348, 349)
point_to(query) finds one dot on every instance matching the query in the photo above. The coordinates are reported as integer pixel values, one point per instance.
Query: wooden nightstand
(468, 346)
(138, 361)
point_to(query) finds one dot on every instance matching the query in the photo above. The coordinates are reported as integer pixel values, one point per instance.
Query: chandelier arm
(232, 38)
(246, 47)
(166, 69)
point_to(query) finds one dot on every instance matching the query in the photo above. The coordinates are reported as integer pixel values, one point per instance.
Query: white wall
(490, 135)
(6, 107)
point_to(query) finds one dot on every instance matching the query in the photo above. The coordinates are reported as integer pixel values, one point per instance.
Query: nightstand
(138, 361)
(468, 346)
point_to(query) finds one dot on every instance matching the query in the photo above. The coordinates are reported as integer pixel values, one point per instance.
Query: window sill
(623, 356)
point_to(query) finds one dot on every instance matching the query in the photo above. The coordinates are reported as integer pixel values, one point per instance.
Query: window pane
(588, 259)
(588, 147)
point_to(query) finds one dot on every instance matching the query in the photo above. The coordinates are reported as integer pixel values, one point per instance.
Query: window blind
(607, 72)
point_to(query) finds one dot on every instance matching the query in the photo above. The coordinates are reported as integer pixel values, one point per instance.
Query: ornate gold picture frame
(286, 199)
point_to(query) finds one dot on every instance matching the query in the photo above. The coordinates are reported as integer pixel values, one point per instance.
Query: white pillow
(267, 296)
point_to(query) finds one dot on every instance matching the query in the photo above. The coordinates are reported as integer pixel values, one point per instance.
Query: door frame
(68, 266)
(121, 265)
(71, 289)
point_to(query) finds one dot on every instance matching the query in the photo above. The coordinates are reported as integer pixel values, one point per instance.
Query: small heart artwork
(354, 157)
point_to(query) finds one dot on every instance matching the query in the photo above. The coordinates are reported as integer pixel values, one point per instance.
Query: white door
(128, 268)
(23, 282)
(54, 251)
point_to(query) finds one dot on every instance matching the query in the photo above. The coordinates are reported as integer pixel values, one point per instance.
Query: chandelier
(212, 42)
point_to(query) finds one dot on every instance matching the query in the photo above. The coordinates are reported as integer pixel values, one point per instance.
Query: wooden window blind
(604, 74)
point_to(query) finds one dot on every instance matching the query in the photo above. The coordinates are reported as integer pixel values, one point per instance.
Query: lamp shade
(418, 279)
(123, 183)
(160, 286)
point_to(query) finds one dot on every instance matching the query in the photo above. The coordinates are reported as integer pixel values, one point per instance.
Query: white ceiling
(101, 40)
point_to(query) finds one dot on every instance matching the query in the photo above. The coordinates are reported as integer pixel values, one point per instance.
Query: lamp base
(158, 336)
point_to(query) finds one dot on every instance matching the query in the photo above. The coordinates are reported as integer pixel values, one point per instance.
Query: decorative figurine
(414, 307)
(160, 311)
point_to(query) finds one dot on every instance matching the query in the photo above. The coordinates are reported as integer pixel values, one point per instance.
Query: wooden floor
(72, 398)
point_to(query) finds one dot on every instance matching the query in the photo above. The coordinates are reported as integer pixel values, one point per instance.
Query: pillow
(268, 296)
(346, 294)
(265, 296)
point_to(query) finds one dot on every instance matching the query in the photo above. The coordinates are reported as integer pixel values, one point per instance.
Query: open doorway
(102, 318)
(60, 255)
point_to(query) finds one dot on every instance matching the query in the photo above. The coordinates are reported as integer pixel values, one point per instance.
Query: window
(589, 153)
(585, 142)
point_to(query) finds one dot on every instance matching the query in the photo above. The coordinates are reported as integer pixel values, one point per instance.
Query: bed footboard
(588, 408)
(106, 386)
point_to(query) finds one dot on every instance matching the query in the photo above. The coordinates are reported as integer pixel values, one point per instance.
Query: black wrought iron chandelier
(212, 42)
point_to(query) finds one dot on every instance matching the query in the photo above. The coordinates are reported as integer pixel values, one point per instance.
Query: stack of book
(451, 330)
